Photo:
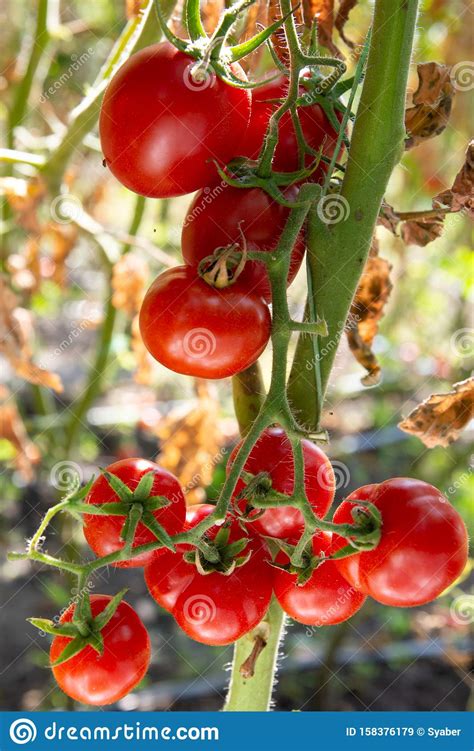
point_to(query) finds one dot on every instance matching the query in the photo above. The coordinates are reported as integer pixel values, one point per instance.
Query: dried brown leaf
(210, 13)
(365, 314)
(129, 278)
(345, 8)
(143, 371)
(388, 218)
(15, 332)
(422, 231)
(461, 196)
(12, 429)
(439, 419)
(432, 102)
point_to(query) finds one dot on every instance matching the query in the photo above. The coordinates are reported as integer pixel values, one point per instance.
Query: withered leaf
(461, 196)
(323, 11)
(432, 103)
(210, 13)
(15, 332)
(143, 371)
(365, 314)
(440, 418)
(345, 8)
(422, 231)
(190, 444)
(129, 278)
(388, 218)
(12, 429)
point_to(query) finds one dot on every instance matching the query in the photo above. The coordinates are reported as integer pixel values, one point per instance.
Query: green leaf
(143, 489)
(50, 627)
(107, 613)
(70, 650)
(119, 487)
(160, 533)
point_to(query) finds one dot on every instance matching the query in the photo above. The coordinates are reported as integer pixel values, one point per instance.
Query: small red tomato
(422, 550)
(325, 599)
(317, 130)
(103, 532)
(160, 129)
(195, 329)
(213, 608)
(103, 679)
(273, 454)
(220, 217)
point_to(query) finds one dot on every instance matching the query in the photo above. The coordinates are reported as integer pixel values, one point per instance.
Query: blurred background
(75, 264)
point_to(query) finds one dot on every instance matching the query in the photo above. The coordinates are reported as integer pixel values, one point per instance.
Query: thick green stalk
(338, 250)
(248, 393)
(99, 365)
(254, 694)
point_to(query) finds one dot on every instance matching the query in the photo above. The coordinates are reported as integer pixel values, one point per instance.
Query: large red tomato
(213, 608)
(273, 454)
(422, 550)
(103, 532)
(220, 217)
(325, 599)
(316, 128)
(195, 329)
(160, 129)
(103, 679)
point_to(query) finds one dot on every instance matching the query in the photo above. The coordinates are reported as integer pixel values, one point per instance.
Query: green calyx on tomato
(224, 266)
(136, 505)
(366, 530)
(213, 54)
(83, 630)
(225, 556)
(309, 560)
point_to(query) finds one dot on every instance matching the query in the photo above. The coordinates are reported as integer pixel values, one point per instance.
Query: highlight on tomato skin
(158, 127)
(326, 599)
(213, 608)
(423, 547)
(273, 454)
(194, 329)
(104, 679)
(103, 532)
(227, 215)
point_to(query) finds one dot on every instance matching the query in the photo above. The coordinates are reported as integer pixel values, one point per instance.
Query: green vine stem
(338, 251)
(99, 365)
(254, 693)
(248, 393)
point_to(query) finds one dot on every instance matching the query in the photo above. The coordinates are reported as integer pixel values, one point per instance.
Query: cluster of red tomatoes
(422, 550)
(162, 133)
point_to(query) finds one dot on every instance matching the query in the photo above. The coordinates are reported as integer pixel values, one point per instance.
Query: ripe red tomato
(423, 547)
(325, 599)
(218, 217)
(103, 532)
(314, 124)
(273, 454)
(160, 129)
(94, 679)
(213, 608)
(197, 330)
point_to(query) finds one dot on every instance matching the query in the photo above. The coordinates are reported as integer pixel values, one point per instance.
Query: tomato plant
(422, 550)
(273, 454)
(316, 128)
(160, 129)
(194, 329)
(219, 606)
(325, 597)
(234, 216)
(100, 679)
(159, 492)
